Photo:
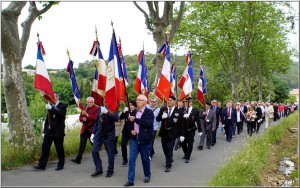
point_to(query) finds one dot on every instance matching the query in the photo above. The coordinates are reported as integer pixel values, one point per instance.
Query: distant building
(29, 71)
(295, 92)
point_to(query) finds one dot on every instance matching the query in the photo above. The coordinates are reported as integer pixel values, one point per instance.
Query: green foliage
(37, 112)
(247, 166)
(281, 90)
(292, 99)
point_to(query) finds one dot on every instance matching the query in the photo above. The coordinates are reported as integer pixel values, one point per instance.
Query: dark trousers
(82, 145)
(46, 147)
(228, 129)
(152, 152)
(109, 147)
(239, 126)
(187, 144)
(116, 144)
(257, 126)
(168, 145)
(250, 127)
(214, 136)
(125, 140)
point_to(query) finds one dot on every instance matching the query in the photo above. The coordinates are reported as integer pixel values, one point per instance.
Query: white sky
(72, 25)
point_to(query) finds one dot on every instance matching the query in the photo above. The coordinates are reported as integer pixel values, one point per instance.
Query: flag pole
(166, 102)
(204, 116)
(98, 48)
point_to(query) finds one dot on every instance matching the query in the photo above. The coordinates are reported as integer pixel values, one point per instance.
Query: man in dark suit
(190, 119)
(208, 117)
(140, 139)
(87, 118)
(218, 110)
(181, 108)
(258, 119)
(54, 131)
(171, 127)
(104, 133)
(229, 119)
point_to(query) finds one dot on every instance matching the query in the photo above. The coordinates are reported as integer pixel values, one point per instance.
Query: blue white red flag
(112, 94)
(98, 99)
(74, 85)
(147, 90)
(186, 82)
(141, 78)
(123, 79)
(201, 87)
(173, 80)
(42, 81)
(163, 85)
(101, 68)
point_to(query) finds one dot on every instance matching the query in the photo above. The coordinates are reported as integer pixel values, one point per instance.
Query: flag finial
(96, 32)
(168, 35)
(68, 53)
(120, 40)
(38, 36)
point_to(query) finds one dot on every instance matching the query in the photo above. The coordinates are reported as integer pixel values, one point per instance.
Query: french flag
(173, 80)
(147, 90)
(186, 82)
(74, 85)
(42, 81)
(101, 85)
(141, 78)
(201, 87)
(163, 85)
(95, 93)
(112, 95)
(123, 78)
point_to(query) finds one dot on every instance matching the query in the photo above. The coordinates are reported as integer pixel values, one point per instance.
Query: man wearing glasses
(155, 109)
(171, 127)
(140, 139)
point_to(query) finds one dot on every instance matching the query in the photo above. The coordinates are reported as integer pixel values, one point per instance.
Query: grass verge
(247, 167)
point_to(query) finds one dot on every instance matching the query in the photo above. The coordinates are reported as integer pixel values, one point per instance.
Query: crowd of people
(145, 120)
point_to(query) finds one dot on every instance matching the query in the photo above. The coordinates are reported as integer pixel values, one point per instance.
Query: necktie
(228, 113)
(169, 113)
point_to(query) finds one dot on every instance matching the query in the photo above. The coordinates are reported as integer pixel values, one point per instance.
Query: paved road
(203, 165)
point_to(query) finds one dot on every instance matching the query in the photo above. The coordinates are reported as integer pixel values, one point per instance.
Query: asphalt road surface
(203, 165)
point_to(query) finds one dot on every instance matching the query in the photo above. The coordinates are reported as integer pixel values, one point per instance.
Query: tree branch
(33, 14)
(176, 23)
(147, 20)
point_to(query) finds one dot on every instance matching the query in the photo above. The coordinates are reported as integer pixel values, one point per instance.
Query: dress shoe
(97, 173)
(39, 168)
(168, 169)
(129, 184)
(200, 147)
(147, 180)
(208, 147)
(212, 144)
(183, 157)
(76, 161)
(187, 161)
(59, 168)
(124, 163)
(109, 174)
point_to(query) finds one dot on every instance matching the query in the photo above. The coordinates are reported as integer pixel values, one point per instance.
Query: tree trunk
(21, 132)
(235, 94)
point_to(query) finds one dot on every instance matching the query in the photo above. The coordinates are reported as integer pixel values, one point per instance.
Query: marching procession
(176, 121)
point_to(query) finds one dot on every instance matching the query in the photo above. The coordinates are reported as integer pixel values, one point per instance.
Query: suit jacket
(145, 135)
(258, 113)
(55, 121)
(104, 125)
(218, 111)
(189, 124)
(89, 124)
(171, 127)
(210, 118)
(225, 116)
(242, 115)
